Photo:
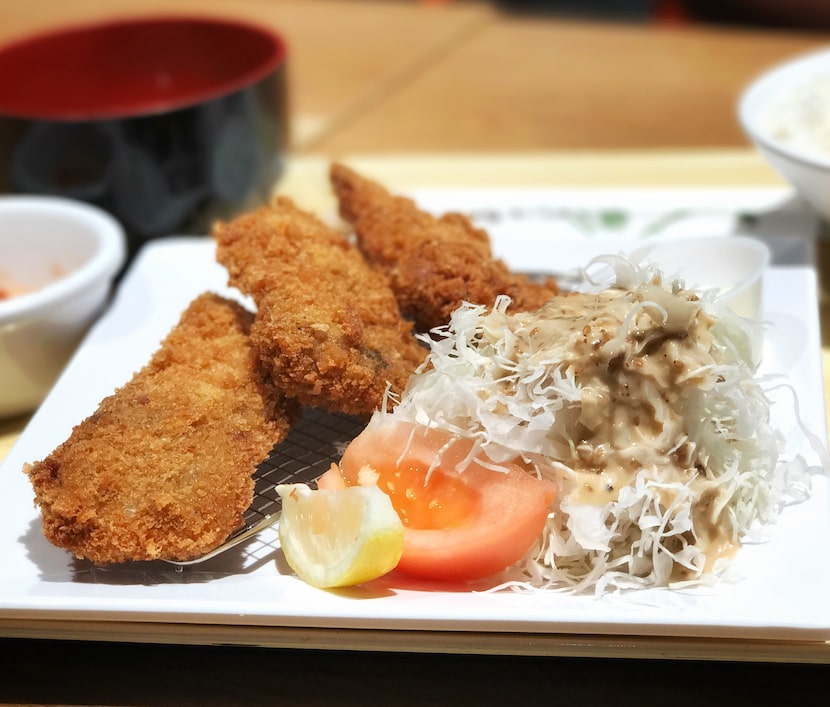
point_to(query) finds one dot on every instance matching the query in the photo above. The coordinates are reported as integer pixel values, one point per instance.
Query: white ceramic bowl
(733, 266)
(786, 113)
(63, 256)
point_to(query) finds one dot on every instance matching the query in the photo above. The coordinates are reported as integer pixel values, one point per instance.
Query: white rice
(800, 117)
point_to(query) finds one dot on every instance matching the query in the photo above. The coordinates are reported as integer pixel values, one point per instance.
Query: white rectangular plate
(781, 594)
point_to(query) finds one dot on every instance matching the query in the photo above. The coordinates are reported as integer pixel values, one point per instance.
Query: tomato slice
(458, 525)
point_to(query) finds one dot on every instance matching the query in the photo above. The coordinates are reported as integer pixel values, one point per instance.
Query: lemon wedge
(339, 538)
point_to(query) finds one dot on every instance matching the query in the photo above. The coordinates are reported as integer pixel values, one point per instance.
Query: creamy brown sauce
(634, 364)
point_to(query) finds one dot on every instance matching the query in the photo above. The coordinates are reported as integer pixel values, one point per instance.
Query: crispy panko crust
(433, 264)
(327, 325)
(163, 469)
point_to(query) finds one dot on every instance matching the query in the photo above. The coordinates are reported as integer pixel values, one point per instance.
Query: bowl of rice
(786, 113)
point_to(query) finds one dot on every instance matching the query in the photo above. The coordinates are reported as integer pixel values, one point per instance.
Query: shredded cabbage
(640, 400)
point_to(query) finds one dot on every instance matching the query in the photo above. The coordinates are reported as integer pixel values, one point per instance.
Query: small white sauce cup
(733, 266)
(65, 255)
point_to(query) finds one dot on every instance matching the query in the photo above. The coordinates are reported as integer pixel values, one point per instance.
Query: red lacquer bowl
(166, 122)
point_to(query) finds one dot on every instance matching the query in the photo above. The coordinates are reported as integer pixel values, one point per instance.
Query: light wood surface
(306, 176)
(454, 93)
(523, 84)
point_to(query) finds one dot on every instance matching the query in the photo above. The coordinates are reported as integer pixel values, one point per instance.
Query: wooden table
(435, 94)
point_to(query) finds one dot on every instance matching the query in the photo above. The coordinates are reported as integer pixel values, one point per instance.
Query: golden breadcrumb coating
(163, 468)
(327, 324)
(433, 264)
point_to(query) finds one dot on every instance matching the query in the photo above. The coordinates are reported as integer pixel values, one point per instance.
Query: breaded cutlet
(433, 263)
(163, 468)
(327, 325)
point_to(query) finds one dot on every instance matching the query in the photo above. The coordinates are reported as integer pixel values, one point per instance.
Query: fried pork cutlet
(163, 468)
(327, 325)
(433, 264)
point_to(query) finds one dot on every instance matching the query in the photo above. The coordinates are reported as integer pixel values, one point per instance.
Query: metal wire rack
(315, 441)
